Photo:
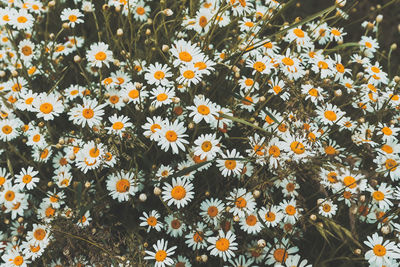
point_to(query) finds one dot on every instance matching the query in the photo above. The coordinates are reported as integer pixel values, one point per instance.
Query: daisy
(171, 135)
(294, 261)
(10, 195)
(158, 74)
(203, 109)
(141, 11)
(99, 55)
(4, 175)
(330, 114)
(271, 216)
(47, 106)
(290, 212)
(196, 238)
(162, 96)
(15, 258)
(201, 21)
(151, 220)
(31, 251)
(163, 172)
(26, 48)
(119, 125)
(21, 19)
(298, 36)
(327, 208)
(72, 16)
(260, 65)
(232, 165)
(388, 133)
(42, 154)
(175, 226)
(207, 146)
(248, 101)
(369, 45)
(9, 129)
(27, 177)
(322, 65)
(247, 84)
(211, 210)
(115, 99)
(40, 235)
(352, 182)
(312, 93)
(337, 34)
(162, 254)
(289, 187)
(89, 113)
(223, 245)
(297, 147)
(135, 93)
(122, 185)
(381, 252)
(258, 149)
(180, 193)
(185, 52)
(189, 75)
(243, 202)
(35, 138)
(279, 252)
(382, 196)
(152, 127)
(182, 261)
(250, 223)
(204, 65)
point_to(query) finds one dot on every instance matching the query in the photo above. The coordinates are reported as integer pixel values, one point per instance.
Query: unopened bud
(379, 18)
(51, 4)
(120, 32)
(65, 25)
(204, 258)
(148, 32)
(87, 184)
(393, 46)
(236, 218)
(77, 59)
(338, 92)
(385, 229)
(313, 217)
(261, 243)
(143, 197)
(165, 48)
(157, 191)
(2, 73)
(168, 12)
(357, 251)
(256, 193)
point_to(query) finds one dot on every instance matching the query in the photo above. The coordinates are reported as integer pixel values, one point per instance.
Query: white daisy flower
(158, 74)
(151, 220)
(9, 129)
(162, 96)
(47, 106)
(203, 109)
(381, 252)
(119, 124)
(327, 208)
(180, 193)
(250, 223)
(89, 113)
(122, 185)
(162, 254)
(223, 245)
(27, 177)
(243, 202)
(211, 210)
(232, 165)
(196, 238)
(99, 55)
(71, 16)
(271, 215)
(171, 136)
(207, 146)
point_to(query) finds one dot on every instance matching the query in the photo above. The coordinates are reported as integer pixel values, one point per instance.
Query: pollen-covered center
(122, 185)
(349, 181)
(251, 220)
(330, 115)
(230, 164)
(206, 146)
(6, 129)
(188, 74)
(88, 113)
(118, 125)
(171, 136)
(297, 147)
(280, 255)
(178, 192)
(100, 56)
(259, 66)
(185, 56)
(379, 250)
(26, 178)
(162, 97)
(291, 210)
(160, 255)
(39, 234)
(240, 202)
(152, 221)
(378, 195)
(270, 216)
(46, 108)
(222, 244)
(212, 211)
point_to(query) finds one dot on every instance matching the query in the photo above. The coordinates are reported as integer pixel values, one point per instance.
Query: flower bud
(261, 243)
(120, 32)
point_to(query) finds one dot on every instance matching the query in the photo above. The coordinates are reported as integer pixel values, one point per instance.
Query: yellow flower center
(88, 113)
(185, 56)
(178, 192)
(122, 185)
(100, 56)
(206, 146)
(378, 195)
(330, 115)
(118, 125)
(222, 244)
(171, 136)
(297, 147)
(379, 250)
(46, 108)
(160, 255)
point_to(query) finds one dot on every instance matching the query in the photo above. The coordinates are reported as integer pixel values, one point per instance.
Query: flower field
(237, 133)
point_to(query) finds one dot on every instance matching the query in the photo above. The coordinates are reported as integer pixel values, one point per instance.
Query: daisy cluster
(217, 132)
